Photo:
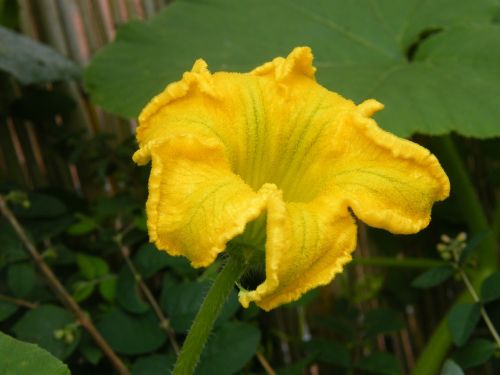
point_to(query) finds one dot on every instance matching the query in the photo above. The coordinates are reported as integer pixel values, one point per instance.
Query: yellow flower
(275, 150)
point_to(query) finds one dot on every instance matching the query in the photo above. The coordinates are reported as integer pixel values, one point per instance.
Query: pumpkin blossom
(277, 163)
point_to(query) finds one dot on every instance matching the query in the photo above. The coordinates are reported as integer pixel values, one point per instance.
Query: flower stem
(208, 313)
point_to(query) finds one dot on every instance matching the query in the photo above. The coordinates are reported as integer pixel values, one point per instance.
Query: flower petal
(389, 182)
(307, 244)
(195, 203)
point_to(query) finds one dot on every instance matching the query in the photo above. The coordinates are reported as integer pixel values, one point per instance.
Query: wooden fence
(77, 29)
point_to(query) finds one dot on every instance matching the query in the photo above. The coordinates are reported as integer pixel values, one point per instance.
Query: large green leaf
(32, 62)
(21, 358)
(435, 64)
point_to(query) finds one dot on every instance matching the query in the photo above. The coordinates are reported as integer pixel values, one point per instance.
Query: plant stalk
(207, 315)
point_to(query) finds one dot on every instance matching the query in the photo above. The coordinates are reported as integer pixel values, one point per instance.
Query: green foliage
(442, 55)
(462, 320)
(131, 334)
(20, 358)
(156, 364)
(490, 290)
(181, 302)
(7, 309)
(51, 327)
(240, 339)
(474, 353)
(381, 363)
(32, 62)
(149, 261)
(329, 351)
(21, 278)
(381, 321)
(433, 277)
(127, 293)
(451, 368)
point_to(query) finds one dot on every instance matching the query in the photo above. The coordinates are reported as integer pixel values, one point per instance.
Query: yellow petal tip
(298, 62)
(369, 107)
(198, 78)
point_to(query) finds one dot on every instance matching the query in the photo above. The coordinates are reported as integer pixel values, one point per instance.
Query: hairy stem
(61, 292)
(208, 313)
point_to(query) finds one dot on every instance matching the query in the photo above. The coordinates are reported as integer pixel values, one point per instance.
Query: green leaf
(329, 351)
(433, 277)
(150, 260)
(90, 351)
(12, 247)
(84, 225)
(7, 309)
(82, 290)
(472, 245)
(229, 348)
(341, 327)
(462, 320)
(40, 206)
(40, 325)
(474, 353)
(91, 267)
(156, 364)
(21, 278)
(380, 363)
(107, 288)
(129, 334)
(296, 368)
(381, 321)
(32, 62)
(21, 358)
(182, 301)
(435, 64)
(127, 292)
(451, 368)
(490, 289)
